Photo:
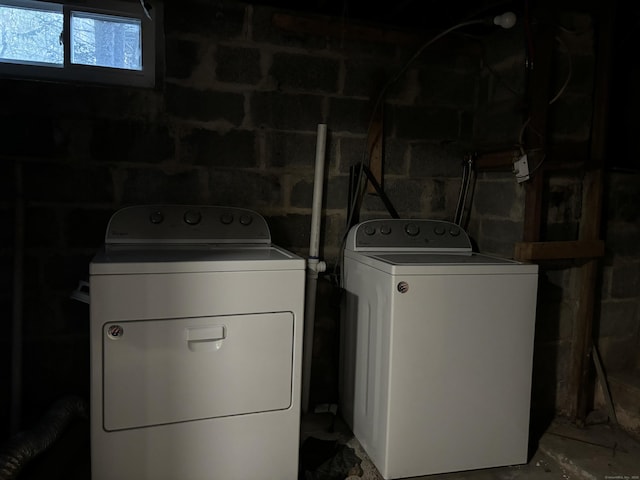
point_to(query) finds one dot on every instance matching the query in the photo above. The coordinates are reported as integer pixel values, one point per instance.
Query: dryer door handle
(206, 338)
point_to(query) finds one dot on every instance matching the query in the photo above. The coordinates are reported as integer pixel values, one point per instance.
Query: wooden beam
(534, 251)
(334, 27)
(567, 156)
(496, 160)
(580, 379)
(322, 26)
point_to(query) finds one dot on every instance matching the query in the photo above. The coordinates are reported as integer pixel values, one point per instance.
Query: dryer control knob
(156, 217)
(385, 229)
(412, 229)
(192, 217)
(226, 218)
(246, 219)
(454, 232)
(369, 230)
(439, 230)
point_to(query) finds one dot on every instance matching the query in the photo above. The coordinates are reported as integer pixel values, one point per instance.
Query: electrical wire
(459, 205)
(527, 123)
(569, 73)
(146, 9)
(469, 162)
(379, 103)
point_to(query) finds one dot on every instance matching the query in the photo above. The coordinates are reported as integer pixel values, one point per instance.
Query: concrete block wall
(233, 122)
(618, 328)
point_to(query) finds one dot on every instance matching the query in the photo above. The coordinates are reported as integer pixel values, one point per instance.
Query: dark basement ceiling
(415, 14)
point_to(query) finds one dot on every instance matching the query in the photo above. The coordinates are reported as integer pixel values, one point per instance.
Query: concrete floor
(561, 451)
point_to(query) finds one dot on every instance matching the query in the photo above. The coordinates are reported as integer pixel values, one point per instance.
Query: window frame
(91, 73)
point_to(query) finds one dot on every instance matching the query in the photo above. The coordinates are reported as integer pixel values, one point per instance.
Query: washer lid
(142, 259)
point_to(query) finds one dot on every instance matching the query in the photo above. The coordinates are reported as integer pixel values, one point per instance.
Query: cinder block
(208, 19)
(445, 87)
(130, 141)
(498, 236)
(291, 230)
(205, 105)
(264, 31)
(334, 195)
(181, 57)
(625, 280)
(366, 77)
(495, 198)
(305, 73)
(349, 115)
(618, 318)
(286, 111)
(242, 188)
(437, 159)
(235, 148)
(422, 123)
(238, 65)
(152, 185)
(68, 183)
(292, 149)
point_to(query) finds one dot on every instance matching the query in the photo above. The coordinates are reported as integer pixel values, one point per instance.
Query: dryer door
(165, 371)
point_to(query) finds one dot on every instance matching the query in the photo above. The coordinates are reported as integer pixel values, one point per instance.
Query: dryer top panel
(186, 224)
(416, 235)
(145, 259)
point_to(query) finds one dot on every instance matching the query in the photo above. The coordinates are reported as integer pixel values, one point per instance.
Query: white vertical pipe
(313, 265)
(316, 208)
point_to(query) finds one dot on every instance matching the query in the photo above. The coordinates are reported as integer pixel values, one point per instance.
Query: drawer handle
(206, 338)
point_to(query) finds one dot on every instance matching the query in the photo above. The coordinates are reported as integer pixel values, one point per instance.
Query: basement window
(105, 42)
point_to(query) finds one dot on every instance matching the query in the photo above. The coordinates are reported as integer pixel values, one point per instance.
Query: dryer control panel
(410, 234)
(186, 224)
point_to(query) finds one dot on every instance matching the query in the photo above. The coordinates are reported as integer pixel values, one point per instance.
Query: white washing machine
(436, 350)
(196, 347)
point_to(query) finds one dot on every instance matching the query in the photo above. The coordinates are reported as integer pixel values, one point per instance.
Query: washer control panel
(409, 234)
(186, 224)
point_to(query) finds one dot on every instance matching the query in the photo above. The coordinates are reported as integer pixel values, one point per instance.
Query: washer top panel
(420, 263)
(439, 259)
(186, 224)
(398, 235)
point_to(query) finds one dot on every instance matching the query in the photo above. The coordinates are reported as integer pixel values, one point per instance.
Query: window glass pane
(30, 35)
(106, 41)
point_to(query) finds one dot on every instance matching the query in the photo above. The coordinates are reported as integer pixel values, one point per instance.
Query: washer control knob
(439, 230)
(156, 217)
(412, 229)
(246, 219)
(369, 230)
(192, 217)
(226, 218)
(455, 231)
(385, 229)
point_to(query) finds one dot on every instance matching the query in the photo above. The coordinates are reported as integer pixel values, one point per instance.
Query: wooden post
(590, 222)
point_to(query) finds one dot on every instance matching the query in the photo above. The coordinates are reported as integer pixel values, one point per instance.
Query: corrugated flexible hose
(25, 446)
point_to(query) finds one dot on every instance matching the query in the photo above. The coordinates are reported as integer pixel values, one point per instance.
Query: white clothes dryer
(436, 350)
(196, 347)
